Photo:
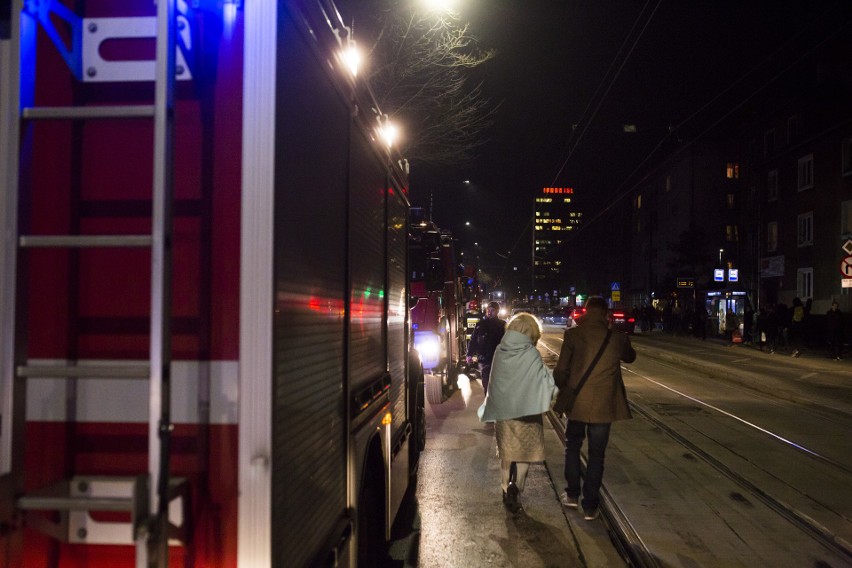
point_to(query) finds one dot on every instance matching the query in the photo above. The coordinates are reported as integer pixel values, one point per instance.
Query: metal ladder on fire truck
(145, 498)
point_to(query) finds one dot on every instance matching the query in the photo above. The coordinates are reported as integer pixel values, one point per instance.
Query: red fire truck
(437, 318)
(205, 334)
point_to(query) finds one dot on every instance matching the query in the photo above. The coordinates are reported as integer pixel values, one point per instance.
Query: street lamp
(443, 6)
(351, 58)
(720, 257)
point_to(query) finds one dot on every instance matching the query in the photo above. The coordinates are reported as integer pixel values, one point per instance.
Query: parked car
(621, 320)
(556, 318)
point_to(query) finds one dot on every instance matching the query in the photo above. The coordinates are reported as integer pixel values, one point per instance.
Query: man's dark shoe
(592, 514)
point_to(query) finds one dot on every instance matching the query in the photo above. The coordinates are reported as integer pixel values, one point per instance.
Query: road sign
(846, 267)
(733, 275)
(615, 286)
(718, 275)
(847, 246)
(616, 295)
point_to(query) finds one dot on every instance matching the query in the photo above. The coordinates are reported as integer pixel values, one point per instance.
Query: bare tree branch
(420, 76)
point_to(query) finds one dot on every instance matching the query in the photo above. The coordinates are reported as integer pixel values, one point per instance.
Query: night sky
(600, 65)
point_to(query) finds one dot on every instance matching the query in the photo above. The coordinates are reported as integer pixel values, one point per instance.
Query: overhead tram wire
(733, 109)
(763, 62)
(611, 83)
(589, 104)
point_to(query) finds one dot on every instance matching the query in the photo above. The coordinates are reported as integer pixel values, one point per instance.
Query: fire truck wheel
(434, 388)
(421, 429)
(451, 370)
(372, 547)
(420, 421)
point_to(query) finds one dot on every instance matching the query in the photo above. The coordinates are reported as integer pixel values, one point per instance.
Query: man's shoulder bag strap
(593, 363)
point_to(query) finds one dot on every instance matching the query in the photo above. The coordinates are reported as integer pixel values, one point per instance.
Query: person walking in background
(484, 340)
(700, 324)
(834, 330)
(732, 326)
(773, 328)
(797, 325)
(600, 402)
(760, 328)
(782, 338)
(748, 325)
(521, 392)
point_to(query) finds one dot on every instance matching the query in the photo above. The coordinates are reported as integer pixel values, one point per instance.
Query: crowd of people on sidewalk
(780, 328)
(776, 328)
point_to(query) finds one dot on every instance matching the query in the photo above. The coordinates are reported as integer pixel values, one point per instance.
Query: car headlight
(428, 344)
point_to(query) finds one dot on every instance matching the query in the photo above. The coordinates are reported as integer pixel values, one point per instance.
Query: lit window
(732, 233)
(806, 172)
(805, 231)
(732, 170)
(772, 185)
(772, 236)
(805, 282)
(731, 201)
(639, 201)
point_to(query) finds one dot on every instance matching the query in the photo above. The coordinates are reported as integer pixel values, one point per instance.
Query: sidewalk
(462, 518)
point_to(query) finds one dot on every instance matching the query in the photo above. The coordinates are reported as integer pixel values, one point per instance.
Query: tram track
(628, 540)
(622, 533)
(796, 446)
(836, 415)
(790, 388)
(630, 543)
(794, 516)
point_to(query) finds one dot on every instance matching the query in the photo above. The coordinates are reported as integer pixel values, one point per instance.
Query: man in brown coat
(600, 402)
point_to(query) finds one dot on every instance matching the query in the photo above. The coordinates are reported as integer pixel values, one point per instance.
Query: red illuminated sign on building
(569, 190)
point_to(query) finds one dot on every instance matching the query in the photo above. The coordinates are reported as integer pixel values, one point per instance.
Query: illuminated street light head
(352, 58)
(443, 6)
(388, 131)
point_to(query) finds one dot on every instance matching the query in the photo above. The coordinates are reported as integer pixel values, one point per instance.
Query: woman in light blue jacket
(519, 393)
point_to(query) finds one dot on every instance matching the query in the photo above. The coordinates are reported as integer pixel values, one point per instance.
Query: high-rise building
(555, 216)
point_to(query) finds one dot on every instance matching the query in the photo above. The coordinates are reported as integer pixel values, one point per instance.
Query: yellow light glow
(387, 419)
(351, 58)
(389, 133)
(440, 5)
